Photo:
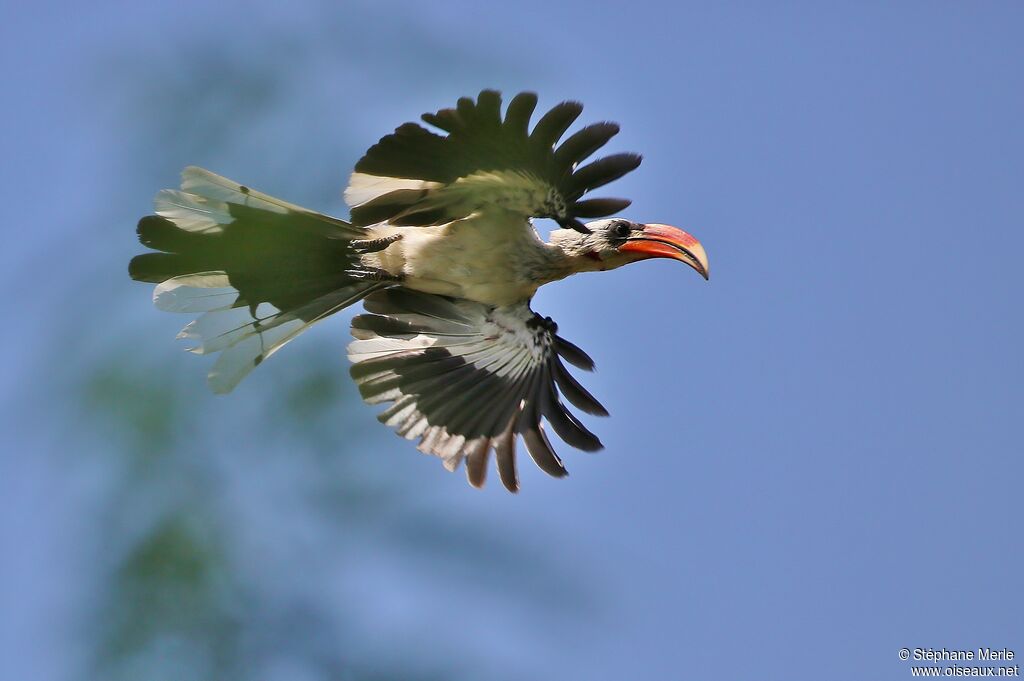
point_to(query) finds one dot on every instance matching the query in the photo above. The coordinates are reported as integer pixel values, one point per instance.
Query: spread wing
(466, 378)
(417, 177)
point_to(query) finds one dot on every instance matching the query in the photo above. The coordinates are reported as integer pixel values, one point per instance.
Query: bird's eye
(621, 229)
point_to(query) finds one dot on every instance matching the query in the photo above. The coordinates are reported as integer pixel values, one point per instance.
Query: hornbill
(441, 249)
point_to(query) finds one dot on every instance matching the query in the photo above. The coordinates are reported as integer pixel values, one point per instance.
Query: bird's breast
(489, 263)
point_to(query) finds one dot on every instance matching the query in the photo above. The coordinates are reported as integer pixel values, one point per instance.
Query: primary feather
(486, 161)
(460, 376)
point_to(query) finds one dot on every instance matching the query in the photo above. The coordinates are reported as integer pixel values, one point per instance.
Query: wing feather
(464, 378)
(571, 389)
(529, 427)
(601, 172)
(476, 461)
(573, 355)
(582, 144)
(505, 457)
(564, 423)
(414, 177)
(517, 116)
(554, 123)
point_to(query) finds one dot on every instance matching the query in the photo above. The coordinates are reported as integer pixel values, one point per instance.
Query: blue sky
(813, 460)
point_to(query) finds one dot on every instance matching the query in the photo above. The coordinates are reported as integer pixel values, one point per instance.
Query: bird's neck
(556, 262)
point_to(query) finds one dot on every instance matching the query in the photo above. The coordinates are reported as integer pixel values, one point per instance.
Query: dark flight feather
(461, 376)
(479, 141)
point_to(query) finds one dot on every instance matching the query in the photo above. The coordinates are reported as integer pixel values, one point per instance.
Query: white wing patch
(513, 190)
(363, 188)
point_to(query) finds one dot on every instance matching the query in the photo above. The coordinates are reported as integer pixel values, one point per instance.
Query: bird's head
(616, 242)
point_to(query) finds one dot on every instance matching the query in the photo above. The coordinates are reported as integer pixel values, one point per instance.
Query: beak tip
(666, 241)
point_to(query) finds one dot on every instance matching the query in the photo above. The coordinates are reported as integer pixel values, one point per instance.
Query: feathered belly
(467, 262)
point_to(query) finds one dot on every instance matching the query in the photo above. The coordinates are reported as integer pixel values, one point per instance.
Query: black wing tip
(488, 96)
(574, 224)
(593, 444)
(553, 124)
(451, 118)
(444, 119)
(407, 152)
(599, 208)
(601, 172)
(563, 473)
(626, 159)
(511, 486)
(572, 354)
(520, 109)
(573, 105)
(583, 143)
(578, 436)
(524, 97)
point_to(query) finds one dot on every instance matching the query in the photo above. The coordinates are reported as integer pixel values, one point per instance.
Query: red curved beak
(665, 241)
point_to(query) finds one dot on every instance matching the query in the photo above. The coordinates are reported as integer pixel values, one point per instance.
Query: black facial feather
(620, 229)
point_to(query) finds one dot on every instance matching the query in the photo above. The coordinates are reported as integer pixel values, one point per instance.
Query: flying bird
(442, 250)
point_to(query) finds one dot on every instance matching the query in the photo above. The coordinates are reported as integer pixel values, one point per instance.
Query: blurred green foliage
(230, 526)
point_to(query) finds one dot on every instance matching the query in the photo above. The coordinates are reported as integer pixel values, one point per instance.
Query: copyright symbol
(904, 654)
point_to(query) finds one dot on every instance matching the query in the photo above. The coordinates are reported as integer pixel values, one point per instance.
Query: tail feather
(260, 270)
